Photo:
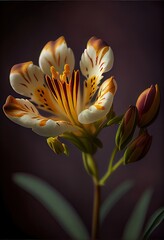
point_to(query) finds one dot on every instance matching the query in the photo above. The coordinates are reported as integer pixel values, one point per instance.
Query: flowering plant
(78, 112)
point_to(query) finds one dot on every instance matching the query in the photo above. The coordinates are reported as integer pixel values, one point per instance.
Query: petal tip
(54, 44)
(112, 85)
(97, 43)
(20, 67)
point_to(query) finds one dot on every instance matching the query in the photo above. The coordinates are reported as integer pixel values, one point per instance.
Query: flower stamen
(64, 88)
(55, 74)
(65, 76)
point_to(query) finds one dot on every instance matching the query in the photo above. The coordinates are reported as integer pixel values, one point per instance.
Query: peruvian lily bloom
(54, 87)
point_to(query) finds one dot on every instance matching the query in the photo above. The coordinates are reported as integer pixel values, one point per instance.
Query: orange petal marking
(12, 106)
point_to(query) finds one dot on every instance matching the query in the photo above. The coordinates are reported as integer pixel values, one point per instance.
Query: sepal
(84, 144)
(89, 165)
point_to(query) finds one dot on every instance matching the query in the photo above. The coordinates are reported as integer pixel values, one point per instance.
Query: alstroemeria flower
(54, 87)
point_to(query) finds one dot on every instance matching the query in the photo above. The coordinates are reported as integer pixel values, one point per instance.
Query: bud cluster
(141, 115)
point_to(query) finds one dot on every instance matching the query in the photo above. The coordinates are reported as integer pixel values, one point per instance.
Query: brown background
(135, 32)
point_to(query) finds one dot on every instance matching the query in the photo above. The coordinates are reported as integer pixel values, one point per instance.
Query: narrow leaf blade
(54, 202)
(153, 223)
(113, 198)
(136, 221)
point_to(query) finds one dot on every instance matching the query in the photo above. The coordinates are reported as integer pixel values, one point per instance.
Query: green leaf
(54, 203)
(115, 120)
(135, 223)
(113, 198)
(154, 221)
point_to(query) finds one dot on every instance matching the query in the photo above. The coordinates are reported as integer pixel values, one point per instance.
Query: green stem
(115, 150)
(96, 211)
(119, 163)
(91, 168)
(110, 167)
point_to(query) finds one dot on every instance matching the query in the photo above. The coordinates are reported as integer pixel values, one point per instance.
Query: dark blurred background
(134, 30)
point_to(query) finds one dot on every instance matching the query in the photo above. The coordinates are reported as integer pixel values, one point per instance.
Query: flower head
(54, 87)
(148, 105)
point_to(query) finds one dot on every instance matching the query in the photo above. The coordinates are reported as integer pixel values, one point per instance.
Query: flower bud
(89, 164)
(138, 148)
(57, 146)
(127, 127)
(148, 105)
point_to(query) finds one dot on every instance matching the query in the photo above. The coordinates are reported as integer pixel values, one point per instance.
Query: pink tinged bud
(148, 105)
(127, 127)
(138, 148)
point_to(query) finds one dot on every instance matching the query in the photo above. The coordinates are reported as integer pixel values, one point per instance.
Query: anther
(54, 73)
(66, 74)
(66, 69)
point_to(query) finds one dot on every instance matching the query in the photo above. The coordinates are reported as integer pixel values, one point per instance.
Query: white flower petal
(52, 128)
(96, 59)
(106, 59)
(24, 113)
(102, 105)
(28, 80)
(24, 77)
(57, 54)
